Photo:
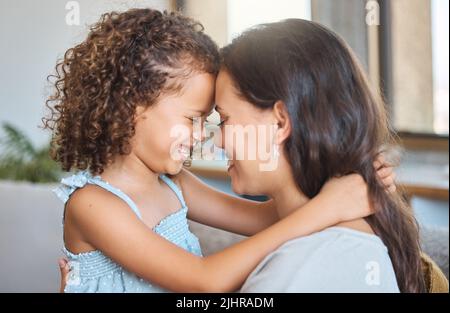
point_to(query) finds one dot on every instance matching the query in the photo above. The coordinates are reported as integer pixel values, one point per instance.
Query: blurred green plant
(20, 160)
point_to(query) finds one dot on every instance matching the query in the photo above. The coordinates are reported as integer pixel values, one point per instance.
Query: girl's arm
(109, 225)
(245, 217)
(212, 207)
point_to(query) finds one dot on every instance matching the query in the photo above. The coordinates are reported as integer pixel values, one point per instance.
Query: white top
(336, 259)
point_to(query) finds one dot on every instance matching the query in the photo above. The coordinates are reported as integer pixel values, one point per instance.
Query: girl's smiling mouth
(184, 152)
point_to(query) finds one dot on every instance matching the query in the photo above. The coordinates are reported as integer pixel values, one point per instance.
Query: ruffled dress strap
(70, 184)
(174, 188)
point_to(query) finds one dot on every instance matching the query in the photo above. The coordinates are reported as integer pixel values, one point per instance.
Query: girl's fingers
(379, 162)
(388, 181)
(392, 188)
(385, 172)
(387, 177)
(62, 262)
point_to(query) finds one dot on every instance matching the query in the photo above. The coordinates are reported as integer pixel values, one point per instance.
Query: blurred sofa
(31, 238)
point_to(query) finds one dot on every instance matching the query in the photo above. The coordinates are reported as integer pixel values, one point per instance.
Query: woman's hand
(64, 269)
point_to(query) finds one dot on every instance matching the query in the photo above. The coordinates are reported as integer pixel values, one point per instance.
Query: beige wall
(33, 34)
(212, 15)
(412, 65)
(224, 19)
(335, 15)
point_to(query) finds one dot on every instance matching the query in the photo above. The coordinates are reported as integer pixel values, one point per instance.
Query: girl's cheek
(181, 133)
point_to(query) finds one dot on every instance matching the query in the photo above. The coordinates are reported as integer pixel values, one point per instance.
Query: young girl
(119, 94)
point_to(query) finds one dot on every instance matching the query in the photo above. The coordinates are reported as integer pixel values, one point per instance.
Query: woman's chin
(237, 186)
(237, 190)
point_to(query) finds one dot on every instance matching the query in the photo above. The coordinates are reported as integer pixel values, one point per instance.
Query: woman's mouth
(230, 165)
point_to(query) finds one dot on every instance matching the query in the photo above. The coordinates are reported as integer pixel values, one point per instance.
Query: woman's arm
(241, 216)
(109, 225)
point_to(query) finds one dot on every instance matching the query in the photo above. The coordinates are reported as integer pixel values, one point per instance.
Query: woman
(304, 78)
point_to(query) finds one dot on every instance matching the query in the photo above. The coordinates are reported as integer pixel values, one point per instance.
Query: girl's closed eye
(222, 120)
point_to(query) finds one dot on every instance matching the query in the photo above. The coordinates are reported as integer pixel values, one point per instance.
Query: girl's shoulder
(91, 195)
(81, 192)
(72, 183)
(92, 204)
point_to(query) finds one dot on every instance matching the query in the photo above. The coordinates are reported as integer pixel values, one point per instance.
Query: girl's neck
(129, 170)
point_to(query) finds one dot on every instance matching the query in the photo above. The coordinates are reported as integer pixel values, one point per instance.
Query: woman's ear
(283, 121)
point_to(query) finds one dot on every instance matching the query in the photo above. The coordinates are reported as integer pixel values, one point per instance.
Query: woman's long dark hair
(339, 125)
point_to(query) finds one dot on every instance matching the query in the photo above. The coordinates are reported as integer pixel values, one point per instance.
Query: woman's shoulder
(359, 225)
(336, 258)
(333, 249)
(336, 240)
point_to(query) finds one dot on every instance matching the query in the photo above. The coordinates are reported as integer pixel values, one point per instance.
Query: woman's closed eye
(222, 121)
(214, 122)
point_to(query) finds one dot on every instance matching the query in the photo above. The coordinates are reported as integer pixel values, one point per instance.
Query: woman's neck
(288, 197)
(285, 193)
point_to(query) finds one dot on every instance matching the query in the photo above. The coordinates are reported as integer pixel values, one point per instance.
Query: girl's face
(248, 138)
(164, 131)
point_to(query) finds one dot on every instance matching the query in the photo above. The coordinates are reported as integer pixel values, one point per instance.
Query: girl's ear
(283, 121)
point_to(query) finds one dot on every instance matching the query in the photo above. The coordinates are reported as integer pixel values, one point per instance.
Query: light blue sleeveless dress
(95, 272)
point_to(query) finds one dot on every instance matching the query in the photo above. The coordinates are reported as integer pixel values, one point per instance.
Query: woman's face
(164, 131)
(247, 138)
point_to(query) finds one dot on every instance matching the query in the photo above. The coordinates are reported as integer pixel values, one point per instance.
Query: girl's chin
(174, 167)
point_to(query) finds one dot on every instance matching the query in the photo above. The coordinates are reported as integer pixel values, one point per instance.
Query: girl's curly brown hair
(128, 59)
